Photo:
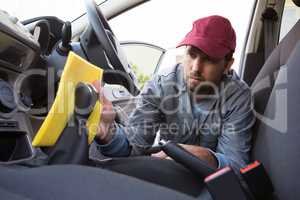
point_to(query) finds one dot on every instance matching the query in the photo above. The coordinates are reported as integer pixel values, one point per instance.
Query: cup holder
(15, 147)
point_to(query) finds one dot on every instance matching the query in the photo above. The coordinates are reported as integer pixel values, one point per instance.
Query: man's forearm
(202, 153)
(118, 146)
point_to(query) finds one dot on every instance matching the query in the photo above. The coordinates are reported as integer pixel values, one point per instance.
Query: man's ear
(228, 65)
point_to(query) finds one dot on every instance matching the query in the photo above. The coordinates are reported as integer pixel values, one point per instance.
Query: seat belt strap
(269, 18)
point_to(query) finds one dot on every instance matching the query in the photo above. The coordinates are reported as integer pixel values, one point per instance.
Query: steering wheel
(111, 46)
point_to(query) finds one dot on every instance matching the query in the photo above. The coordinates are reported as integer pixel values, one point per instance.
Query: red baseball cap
(213, 35)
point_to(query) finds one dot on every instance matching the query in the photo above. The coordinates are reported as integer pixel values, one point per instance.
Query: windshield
(67, 10)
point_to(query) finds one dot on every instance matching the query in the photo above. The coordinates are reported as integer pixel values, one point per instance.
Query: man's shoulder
(163, 82)
(169, 73)
(235, 88)
(171, 80)
(233, 80)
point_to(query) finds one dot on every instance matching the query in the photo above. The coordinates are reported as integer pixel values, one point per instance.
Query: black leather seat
(277, 132)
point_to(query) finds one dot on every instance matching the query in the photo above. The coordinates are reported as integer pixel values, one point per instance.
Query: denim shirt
(222, 123)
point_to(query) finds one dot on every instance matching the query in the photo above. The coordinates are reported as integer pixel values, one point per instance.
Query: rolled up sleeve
(117, 147)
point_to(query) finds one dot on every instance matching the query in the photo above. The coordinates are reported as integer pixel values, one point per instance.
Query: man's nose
(197, 65)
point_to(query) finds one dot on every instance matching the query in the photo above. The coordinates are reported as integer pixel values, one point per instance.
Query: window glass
(143, 59)
(290, 16)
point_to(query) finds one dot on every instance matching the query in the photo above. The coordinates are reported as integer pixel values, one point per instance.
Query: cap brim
(212, 49)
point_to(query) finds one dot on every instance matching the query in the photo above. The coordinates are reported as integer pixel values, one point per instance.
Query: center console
(15, 128)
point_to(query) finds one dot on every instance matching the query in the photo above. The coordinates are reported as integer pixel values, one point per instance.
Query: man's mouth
(197, 78)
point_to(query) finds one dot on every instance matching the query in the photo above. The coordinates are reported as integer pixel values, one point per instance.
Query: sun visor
(76, 70)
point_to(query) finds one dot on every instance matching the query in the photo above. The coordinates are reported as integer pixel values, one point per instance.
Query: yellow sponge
(76, 70)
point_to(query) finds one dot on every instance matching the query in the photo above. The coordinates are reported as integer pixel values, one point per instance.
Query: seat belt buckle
(258, 181)
(224, 184)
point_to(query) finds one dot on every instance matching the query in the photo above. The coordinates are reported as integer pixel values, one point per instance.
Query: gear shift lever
(85, 99)
(66, 33)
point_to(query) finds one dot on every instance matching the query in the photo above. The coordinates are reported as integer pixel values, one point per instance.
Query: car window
(165, 23)
(144, 59)
(290, 16)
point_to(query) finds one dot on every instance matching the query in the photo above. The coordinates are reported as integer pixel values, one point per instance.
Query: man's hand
(200, 152)
(160, 155)
(104, 133)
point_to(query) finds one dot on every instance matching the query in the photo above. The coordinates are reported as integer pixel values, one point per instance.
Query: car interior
(32, 55)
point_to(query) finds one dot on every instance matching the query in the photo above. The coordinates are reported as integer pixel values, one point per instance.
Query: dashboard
(32, 57)
(18, 48)
(23, 85)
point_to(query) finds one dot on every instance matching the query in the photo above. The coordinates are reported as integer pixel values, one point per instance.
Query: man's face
(202, 73)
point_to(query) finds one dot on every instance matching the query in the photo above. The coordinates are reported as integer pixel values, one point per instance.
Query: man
(200, 104)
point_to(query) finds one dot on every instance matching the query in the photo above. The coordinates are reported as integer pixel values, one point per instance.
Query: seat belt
(269, 18)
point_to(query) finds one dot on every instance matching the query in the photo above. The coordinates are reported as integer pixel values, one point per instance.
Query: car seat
(276, 94)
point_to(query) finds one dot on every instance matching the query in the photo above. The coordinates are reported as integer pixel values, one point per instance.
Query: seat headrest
(297, 2)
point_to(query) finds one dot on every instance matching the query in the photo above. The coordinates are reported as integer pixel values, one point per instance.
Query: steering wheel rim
(105, 36)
